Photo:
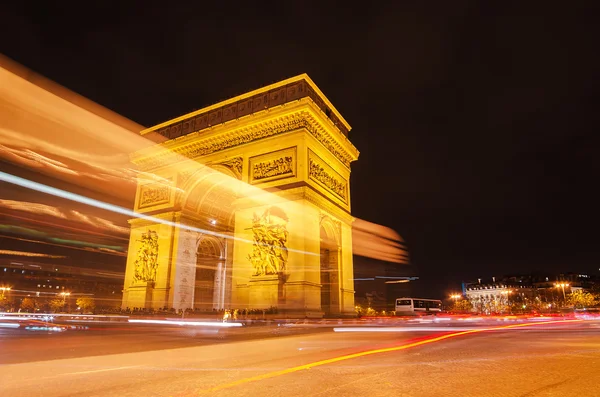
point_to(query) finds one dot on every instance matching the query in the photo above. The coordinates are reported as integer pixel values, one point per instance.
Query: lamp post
(455, 297)
(3, 290)
(562, 286)
(64, 296)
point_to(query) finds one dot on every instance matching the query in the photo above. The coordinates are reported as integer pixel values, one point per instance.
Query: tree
(56, 304)
(580, 299)
(86, 304)
(462, 306)
(28, 304)
(5, 303)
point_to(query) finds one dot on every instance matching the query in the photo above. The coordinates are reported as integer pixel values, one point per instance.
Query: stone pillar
(155, 290)
(184, 269)
(346, 273)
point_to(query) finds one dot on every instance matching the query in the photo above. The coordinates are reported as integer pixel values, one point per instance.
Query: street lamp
(563, 286)
(64, 295)
(3, 290)
(455, 297)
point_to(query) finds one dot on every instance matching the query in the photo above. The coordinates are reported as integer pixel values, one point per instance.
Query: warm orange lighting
(23, 253)
(427, 340)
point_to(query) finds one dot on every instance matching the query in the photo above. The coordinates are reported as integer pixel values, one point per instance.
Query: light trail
(184, 323)
(87, 231)
(421, 342)
(39, 187)
(88, 249)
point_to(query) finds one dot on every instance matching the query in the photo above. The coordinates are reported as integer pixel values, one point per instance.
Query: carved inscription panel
(154, 194)
(320, 172)
(272, 166)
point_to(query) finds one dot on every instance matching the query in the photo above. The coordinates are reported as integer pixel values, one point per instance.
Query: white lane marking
(401, 329)
(90, 372)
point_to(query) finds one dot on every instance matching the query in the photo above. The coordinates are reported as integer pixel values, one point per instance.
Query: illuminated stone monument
(261, 183)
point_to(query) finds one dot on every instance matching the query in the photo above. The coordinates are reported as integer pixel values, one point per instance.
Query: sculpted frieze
(247, 135)
(154, 194)
(322, 173)
(277, 167)
(272, 166)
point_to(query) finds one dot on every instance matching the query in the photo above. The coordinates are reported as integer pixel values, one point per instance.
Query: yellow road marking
(369, 352)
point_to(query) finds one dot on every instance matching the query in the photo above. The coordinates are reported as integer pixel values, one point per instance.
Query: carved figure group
(154, 195)
(276, 167)
(269, 252)
(146, 262)
(317, 172)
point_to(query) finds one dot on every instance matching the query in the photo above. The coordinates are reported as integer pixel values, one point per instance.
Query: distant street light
(455, 297)
(3, 290)
(64, 295)
(563, 286)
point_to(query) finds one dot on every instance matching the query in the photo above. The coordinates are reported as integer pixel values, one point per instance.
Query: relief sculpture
(147, 258)
(154, 195)
(320, 174)
(272, 168)
(269, 251)
(235, 165)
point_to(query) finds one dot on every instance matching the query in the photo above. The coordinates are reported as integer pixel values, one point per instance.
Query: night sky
(476, 122)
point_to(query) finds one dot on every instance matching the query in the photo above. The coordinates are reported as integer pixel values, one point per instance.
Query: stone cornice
(321, 202)
(274, 95)
(194, 146)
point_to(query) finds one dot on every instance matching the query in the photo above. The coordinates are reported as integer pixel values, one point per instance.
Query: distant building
(538, 291)
(44, 282)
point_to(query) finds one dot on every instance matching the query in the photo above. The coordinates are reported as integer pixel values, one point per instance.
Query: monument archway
(208, 205)
(246, 204)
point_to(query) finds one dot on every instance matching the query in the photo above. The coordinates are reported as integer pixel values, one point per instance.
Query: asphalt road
(541, 360)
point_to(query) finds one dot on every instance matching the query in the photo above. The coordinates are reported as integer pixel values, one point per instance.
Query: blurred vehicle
(417, 305)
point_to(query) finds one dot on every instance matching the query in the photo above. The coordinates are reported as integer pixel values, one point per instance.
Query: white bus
(416, 305)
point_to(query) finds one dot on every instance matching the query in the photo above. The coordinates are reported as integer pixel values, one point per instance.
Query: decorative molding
(324, 217)
(272, 166)
(320, 172)
(153, 194)
(204, 146)
(235, 164)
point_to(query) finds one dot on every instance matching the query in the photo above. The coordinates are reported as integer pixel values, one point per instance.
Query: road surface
(558, 359)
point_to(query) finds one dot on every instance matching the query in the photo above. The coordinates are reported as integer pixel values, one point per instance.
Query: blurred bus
(417, 305)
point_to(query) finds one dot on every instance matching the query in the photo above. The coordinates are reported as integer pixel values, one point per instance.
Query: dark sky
(476, 122)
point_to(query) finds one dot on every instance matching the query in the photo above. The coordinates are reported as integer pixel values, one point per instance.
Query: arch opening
(209, 204)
